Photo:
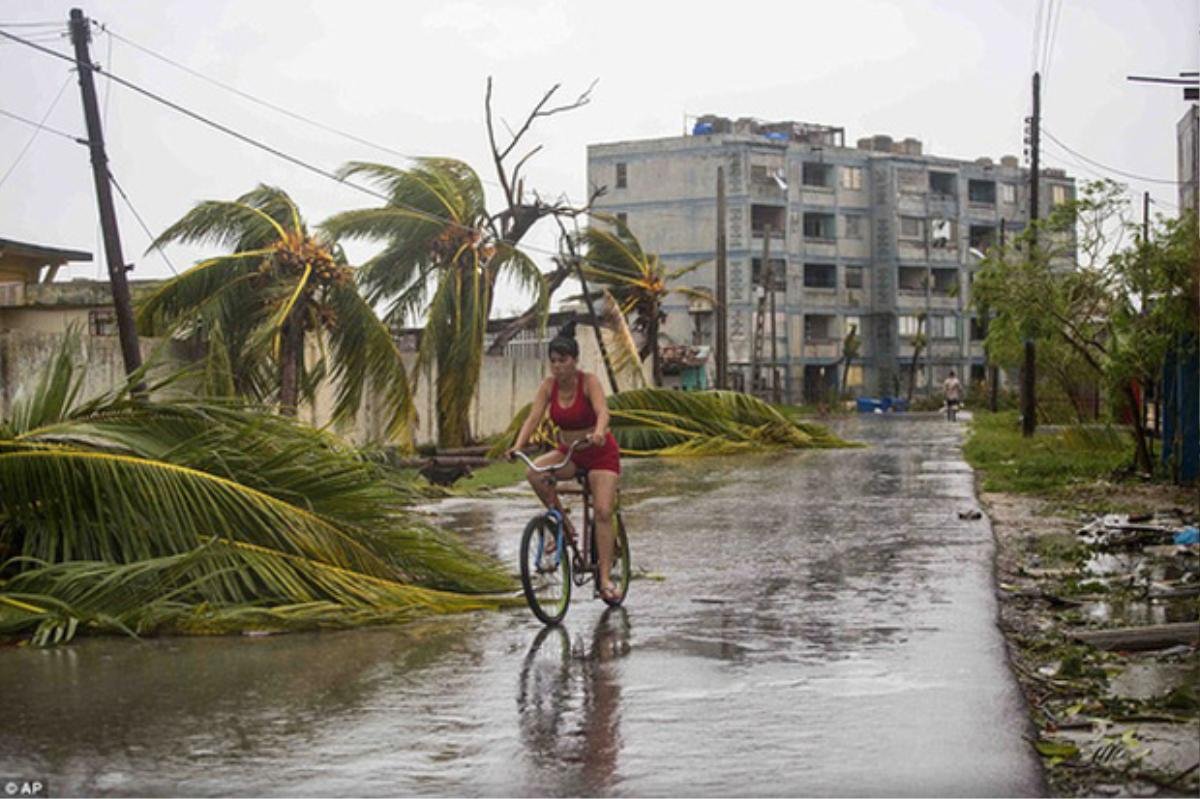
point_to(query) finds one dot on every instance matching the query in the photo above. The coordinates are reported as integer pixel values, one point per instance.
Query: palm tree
(442, 256)
(135, 515)
(637, 279)
(257, 306)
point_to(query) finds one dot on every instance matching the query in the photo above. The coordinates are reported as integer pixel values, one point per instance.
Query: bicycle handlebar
(552, 466)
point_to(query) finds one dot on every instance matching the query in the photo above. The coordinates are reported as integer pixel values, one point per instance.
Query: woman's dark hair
(564, 343)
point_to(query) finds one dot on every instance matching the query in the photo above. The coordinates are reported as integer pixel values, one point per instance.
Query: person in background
(952, 391)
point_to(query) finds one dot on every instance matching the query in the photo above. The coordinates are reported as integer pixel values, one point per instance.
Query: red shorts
(606, 458)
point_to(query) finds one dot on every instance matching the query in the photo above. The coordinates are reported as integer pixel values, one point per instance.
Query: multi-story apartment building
(879, 237)
(1187, 135)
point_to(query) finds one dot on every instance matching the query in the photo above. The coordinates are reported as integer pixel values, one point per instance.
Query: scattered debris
(971, 514)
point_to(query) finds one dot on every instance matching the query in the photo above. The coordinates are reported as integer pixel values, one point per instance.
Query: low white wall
(505, 384)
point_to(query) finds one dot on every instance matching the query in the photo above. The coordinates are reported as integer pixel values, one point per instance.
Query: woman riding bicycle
(576, 403)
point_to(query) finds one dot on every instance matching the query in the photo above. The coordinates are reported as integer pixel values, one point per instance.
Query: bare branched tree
(521, 212)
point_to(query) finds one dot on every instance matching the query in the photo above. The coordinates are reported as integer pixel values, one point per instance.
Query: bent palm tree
(441, 259)
(257, 305)
(204, 515)
(637, 279)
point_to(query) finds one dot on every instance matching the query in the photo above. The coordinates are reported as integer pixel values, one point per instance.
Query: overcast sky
(411, 76)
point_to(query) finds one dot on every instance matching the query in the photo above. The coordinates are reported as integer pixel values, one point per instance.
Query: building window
(1058, 195)
(819, 226)
(1008, 193)
(854, 277)
(102, 322)
(852, 324)
(978, 329)
(853, 226)
(818, 327)
(820, 276)
(945, 281)
(982, 237)
(622, 176)
(909, 325)
(943, 327)
(768, 216)
(912, 227)
(818, 175)
(982, 192)
(852, 177)
(778, 273)
(943, 185)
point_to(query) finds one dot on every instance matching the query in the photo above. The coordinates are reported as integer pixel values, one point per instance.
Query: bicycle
(951, 410)
(547, 578)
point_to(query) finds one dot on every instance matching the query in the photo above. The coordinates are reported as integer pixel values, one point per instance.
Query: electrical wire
(40, 127)
(258, 100)
(138, 217)
(1111, 169)
(47, 128)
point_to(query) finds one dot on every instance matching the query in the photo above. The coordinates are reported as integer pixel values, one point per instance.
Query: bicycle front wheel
(620, 573)
(546, 579)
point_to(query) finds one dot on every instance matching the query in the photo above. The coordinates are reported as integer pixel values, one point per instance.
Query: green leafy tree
(637, 280)
(257, 305)
(442, 257)
(1091, 301)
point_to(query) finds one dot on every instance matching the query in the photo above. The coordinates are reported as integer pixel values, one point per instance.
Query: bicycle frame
(583, 557)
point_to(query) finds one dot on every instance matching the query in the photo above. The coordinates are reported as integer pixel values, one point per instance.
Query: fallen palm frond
(662, 422)
(111, 506)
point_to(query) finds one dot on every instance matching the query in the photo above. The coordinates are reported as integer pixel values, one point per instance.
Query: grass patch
(499, 474)
(1045, 465)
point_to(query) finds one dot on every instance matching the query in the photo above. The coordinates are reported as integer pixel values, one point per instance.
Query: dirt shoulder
(1120, 721)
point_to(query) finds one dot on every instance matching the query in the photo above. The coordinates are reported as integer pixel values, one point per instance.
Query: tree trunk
(1141, 451)
(528, 319)
(656, 362)
(291, 356)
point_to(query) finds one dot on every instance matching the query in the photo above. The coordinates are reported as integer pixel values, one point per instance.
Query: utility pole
(774, 338)
(757, 383)
(80, 36)
(1029, 372)
(722, 304)
(993, 370)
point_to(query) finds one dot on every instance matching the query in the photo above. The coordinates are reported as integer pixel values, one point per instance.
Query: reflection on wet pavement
(823, 626)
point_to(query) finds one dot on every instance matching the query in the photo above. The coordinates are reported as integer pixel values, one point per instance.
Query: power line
(267, 103)
(40, 127)
(46, 24)
(138, 217)
(47, 128)
(1050, 45)
(1111, 169)
(255, 143)
(246, 95)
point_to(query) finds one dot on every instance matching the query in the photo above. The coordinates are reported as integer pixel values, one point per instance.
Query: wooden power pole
(1029, 372)
(722, 299)
(80, 36)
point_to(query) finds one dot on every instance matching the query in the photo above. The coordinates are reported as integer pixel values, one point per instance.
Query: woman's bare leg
(604, 500)
(546, 490)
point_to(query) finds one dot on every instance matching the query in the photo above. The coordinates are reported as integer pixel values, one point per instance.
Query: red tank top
(580, 416)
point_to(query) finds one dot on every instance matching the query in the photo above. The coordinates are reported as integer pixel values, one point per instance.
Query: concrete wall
(506, 384)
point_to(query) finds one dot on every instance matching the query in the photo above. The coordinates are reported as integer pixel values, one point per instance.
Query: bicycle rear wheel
(548, 591)
(620, 573)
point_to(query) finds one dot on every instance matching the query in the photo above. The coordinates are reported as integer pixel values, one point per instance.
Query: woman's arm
(540, 400)
(595, 394)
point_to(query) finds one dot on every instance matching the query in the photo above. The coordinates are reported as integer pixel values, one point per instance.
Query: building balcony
(823, 349)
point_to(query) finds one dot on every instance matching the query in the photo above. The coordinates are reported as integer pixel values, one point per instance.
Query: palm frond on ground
(122, 513)
(667, 423)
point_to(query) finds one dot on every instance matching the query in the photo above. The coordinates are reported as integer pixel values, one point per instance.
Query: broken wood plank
(1134, 639)
(417, 463)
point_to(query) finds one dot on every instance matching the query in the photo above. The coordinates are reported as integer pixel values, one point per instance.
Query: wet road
(818, 623)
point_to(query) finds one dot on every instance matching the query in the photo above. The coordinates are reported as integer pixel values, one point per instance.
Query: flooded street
(814, 623)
